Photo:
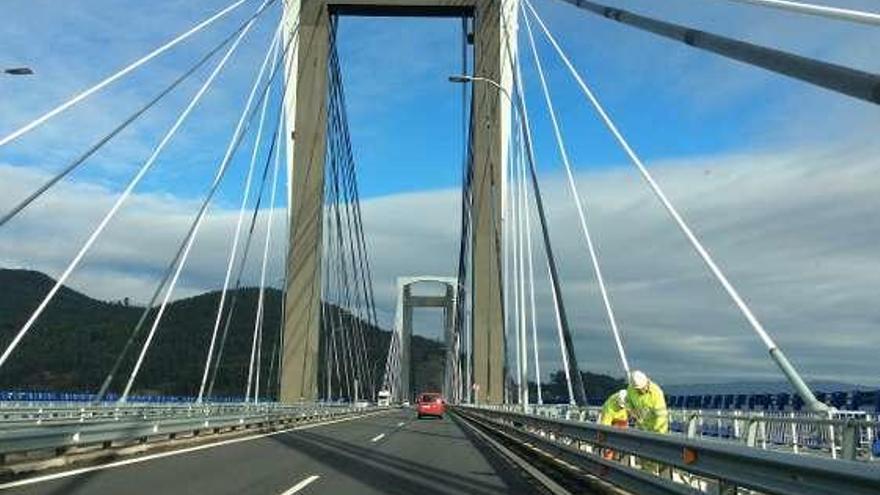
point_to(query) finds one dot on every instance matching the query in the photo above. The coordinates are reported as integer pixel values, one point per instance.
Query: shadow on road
(388, 473)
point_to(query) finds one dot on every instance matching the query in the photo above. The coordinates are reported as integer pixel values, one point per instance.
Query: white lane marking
(400, 424)
(125, 462)
(378, 437)
(302, 484)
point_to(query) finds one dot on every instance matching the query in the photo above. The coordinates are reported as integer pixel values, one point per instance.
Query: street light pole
(579, 396)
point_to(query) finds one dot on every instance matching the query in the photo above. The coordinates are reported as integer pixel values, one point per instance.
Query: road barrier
(13, 415)
(61, 429)
(851, 435)
(686, 465)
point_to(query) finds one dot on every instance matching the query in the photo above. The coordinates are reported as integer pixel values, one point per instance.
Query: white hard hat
(638, 379)
(621, 397)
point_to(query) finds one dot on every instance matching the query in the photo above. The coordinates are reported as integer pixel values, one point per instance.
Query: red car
(430, 404)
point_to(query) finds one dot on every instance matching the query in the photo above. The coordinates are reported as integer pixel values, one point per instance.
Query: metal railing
(18, 414)
(842, 434)
(662, 464)
(851, 435)
(60, 428)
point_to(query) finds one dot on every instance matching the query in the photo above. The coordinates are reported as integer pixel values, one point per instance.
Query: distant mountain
(759, 387)
(77, 339)
(75, 342)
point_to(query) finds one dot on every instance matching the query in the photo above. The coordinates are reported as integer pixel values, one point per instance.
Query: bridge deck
(390, 453)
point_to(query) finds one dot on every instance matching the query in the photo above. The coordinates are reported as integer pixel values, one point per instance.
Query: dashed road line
(137, 460)
(302, 484)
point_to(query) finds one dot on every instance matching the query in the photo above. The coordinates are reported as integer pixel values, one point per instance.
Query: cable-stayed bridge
(310, 405)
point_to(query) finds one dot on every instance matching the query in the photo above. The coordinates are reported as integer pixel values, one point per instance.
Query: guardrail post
(849, 444)
(752, 432)
(762, 426)
(832, 437)
(736, 432)
(692, 426)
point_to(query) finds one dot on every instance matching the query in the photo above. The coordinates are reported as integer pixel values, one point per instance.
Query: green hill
(77, 339)
(75, 342)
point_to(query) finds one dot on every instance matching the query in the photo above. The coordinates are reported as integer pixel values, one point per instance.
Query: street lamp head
(460, 79)
(19, 71)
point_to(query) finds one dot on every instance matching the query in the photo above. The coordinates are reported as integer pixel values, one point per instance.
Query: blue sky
(778, 176)
(672, 101)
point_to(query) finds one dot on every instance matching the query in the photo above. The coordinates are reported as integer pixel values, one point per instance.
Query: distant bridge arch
(398, 369)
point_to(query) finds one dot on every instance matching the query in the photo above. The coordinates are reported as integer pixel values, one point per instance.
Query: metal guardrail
(64, 435)
(21, 414)
(845, 435)
(851, 435)
(699, 465)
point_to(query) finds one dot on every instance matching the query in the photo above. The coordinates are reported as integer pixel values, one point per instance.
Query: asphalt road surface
(392, 453)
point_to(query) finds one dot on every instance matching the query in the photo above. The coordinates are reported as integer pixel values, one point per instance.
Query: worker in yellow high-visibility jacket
(614, 410)
(614, 414)
(647, 406)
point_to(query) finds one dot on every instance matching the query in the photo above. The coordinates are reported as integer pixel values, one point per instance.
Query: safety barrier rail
(20, 414)
(651, 463)
(846, 435)
(62, 436)
(851, 435)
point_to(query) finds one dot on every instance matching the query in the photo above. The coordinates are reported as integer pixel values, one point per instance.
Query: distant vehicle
(362, 404)
(430, 404)
(384, 398)
(405, 403)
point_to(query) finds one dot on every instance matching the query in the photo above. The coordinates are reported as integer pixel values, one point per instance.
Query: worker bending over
(647, 407)
(614, 414)
(647, 404)
(614, 410)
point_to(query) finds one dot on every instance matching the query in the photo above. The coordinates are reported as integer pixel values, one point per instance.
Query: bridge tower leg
(306, 121)
(493, 51)
(406, 390)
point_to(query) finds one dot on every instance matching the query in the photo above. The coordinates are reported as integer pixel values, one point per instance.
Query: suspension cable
(290, 43)
(348, 279)
(521, 180)
(245, 254)
(237, 138)
(775, 353)
(128, 190)
(233, 250)
(838, 13)
(588, 238)
(260, 316)
(577, 395)
(108, 379)
(518, 292)
(840, 79)
(124, 125)
(531, 271)
(122, 72)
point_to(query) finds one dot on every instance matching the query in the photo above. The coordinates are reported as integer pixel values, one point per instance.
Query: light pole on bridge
(576, 393)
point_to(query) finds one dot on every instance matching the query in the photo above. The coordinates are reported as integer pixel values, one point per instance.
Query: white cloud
(74, 45)
(795, 231)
